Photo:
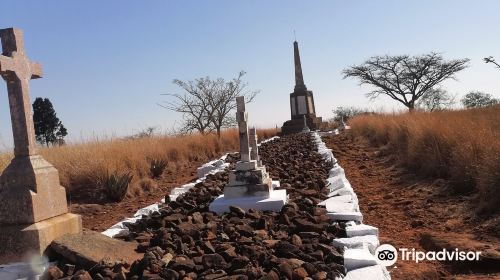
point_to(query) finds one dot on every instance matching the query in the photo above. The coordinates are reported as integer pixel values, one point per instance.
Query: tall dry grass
(90, 163)
(462, 146)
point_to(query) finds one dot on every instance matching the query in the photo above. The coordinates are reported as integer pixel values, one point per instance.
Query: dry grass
(463, 146)
(88, 164)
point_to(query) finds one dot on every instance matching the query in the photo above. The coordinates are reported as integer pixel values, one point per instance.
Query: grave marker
(33, 208)
(249, 184)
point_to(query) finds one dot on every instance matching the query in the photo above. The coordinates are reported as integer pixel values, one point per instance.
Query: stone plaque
(302, 105)
(292, 105)
(310, 102)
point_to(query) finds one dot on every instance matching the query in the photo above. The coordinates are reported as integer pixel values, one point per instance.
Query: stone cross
(253, 144)
(16, 69)
(33, 207)
(242, 119)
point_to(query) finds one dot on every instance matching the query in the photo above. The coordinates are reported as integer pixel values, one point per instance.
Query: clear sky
(106, 63)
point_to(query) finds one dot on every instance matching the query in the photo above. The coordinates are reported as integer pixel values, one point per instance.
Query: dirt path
(405, 208)
(99, 214)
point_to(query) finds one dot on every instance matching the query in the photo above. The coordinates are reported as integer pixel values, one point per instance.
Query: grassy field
(90, 163)
(462, 146)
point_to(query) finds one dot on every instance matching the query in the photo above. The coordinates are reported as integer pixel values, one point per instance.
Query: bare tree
(194, 103)
(490, 59)
(404, 78)
(224, 101)
(206, 104)
(436, 99)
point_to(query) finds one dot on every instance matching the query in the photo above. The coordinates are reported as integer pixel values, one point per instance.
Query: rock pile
(186, 241)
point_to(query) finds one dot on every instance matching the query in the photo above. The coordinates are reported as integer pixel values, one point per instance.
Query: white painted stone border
(212, 167)
(342, 204)
(268, 140)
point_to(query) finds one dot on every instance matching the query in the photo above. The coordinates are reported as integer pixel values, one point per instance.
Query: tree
(48, 128)
(436, 99)
(404, 78)
(193, 103)
(206, 104)
(478, 99)
(224, 102)
(345, 113)
(490, 59)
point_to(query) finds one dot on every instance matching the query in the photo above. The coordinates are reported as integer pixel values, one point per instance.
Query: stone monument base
(19, 242)
(297, 125)
(30, 188)
(276, 200)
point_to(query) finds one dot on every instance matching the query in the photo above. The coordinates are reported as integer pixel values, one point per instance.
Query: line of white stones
(342, 205)
(212, 167)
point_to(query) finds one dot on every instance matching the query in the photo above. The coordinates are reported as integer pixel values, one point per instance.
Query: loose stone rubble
(212, 167)
(184, 239)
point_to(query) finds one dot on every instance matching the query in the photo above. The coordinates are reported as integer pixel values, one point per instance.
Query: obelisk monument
(301, 102)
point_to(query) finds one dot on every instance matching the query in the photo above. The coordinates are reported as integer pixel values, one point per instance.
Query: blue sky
(106, 63)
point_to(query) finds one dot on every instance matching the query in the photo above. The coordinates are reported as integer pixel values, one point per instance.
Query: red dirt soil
(405, 207)
(99, 214)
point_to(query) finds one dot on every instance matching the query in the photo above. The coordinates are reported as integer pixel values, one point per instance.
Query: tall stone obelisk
(33, 207)
(301, 102)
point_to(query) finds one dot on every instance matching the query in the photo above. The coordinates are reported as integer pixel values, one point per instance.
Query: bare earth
(99, 214)
(405, 208)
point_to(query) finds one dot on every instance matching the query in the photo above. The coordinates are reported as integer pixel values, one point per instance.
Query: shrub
(157, 166)
(117, 185)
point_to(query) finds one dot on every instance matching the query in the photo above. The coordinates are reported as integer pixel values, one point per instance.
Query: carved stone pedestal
(22, 241)
(30, 191)
(249, 189)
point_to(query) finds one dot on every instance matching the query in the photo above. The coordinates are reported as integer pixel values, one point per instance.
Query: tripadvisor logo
(387, 255)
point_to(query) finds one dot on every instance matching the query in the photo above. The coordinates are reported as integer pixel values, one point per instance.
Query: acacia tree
(405, 78)
(206, 104)
(48, 128)
(436, 99)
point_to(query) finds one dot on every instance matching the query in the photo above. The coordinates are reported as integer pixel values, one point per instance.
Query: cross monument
(33, 208)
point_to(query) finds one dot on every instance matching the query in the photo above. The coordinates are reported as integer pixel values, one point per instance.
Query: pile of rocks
(184, 240)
